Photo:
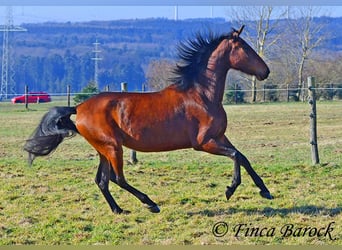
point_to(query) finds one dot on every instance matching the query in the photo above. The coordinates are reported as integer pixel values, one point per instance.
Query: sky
(37, 14)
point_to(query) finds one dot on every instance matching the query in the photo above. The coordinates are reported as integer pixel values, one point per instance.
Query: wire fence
(235, 94)
(270, 93)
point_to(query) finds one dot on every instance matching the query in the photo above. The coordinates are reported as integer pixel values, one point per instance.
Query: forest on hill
(50, 56)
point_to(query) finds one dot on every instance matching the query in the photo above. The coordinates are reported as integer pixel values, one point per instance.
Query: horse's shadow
(270, 212)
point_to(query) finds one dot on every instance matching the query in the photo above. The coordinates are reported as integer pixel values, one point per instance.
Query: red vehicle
(33, 97)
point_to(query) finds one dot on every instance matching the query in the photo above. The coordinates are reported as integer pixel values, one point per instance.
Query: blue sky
(34, 14)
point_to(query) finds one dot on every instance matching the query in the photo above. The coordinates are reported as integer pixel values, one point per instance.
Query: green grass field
(57, 202)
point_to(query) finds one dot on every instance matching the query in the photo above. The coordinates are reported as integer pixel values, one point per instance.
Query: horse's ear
(241, 29)
(236, 33)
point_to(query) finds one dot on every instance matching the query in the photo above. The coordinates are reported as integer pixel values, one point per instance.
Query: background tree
(261, 22)
(306, 37)
(158, 74)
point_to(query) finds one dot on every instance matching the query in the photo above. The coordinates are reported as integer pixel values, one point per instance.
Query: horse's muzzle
(263, 75)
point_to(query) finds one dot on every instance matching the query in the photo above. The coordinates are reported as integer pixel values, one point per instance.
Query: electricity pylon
(7, 73)
(96, 59)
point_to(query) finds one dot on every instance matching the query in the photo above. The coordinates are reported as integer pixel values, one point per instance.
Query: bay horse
(186, 114)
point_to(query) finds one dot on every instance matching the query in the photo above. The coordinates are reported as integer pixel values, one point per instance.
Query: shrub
(338, 93)
(234, 95)
(271, 92)
(86, 93)
(329, 91)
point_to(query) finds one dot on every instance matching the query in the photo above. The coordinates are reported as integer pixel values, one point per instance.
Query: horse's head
(243, 58)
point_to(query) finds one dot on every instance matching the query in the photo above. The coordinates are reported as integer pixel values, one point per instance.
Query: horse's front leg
(222, 146)
(264, 192)
(236, 177)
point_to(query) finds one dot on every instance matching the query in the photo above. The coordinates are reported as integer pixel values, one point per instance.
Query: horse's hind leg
(153, 207)
(117, 177)
(102, 180)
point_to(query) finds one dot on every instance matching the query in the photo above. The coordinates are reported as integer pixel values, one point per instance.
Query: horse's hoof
(229, 192)
(117, 211)
(120, 211)
(154, 209)
(266, 195)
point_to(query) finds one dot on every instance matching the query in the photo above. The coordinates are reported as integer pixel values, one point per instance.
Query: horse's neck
(214, 77)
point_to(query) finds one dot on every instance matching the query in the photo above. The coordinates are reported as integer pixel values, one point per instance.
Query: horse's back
(142, 121)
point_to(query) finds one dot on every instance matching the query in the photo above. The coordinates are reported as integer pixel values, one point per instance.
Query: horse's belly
(158, 139)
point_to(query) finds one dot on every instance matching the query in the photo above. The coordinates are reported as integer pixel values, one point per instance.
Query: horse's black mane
(194, 55)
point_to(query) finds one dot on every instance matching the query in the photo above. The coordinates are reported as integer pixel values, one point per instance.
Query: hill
(49, 56)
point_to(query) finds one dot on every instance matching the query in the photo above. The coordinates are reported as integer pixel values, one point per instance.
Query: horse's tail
(52, 129)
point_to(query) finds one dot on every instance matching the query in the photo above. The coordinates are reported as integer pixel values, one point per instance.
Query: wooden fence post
(133, 154)
(124, 87)
(313, 120)
(68, 94)
(26, 96)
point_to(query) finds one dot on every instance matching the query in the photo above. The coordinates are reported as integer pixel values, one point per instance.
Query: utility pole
(96, 59)
(7, 73)
(176, 13)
